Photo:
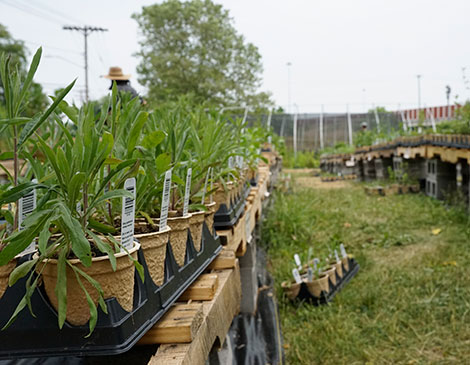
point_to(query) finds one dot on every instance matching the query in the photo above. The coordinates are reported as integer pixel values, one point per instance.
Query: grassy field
(410, 301)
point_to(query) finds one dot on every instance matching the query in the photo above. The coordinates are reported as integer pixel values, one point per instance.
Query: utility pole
(86, 31)
(419, 93)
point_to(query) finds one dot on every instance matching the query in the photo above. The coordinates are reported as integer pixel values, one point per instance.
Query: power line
(56, 12)
(32, 11)
(64, 59)
(86, 31)
(52, 47)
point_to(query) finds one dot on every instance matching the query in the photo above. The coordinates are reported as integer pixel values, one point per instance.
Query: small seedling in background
(310, 254)
(297, 261)
(296, 275)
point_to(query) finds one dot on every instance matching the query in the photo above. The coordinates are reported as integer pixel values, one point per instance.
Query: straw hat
(115, 73)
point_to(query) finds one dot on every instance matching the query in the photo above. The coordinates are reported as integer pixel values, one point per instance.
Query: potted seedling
(15, 131)
(319, 281)
(73, 261)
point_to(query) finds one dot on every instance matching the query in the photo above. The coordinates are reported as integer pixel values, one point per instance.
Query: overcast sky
(359, 52)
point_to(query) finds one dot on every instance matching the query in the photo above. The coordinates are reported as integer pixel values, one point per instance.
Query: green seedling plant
(73, 197)
(16, 91)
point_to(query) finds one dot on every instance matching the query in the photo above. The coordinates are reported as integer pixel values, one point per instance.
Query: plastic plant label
(230, 162)
(343, 250)
(310, 274)
(315, 263)
(247, 228)
(128, 215)
(309, 255)
(297, 261)
(270, 139)
(165, 201)
(212, 184)
(205, 186)
(26, 205)
(297, 277)
(187, 192)
(336, 256)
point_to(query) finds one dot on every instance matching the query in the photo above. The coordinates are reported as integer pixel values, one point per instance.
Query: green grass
(410, 301)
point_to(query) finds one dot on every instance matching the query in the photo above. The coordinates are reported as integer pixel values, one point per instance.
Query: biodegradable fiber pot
(315, 287)
(5, 272)
(118, 284)
(195, 227)
(291, 289)
(178, 235)
(210, 216)
(331, 272)
(154, 249)
(345, 262)
(339, 267)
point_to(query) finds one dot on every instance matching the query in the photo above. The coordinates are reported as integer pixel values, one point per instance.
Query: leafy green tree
(191, 48)
(16, 49)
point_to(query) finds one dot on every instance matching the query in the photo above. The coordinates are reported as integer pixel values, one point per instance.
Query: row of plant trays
(322, 290)
(233, 206)
(120, 329)
(441, 140)
(392, 189)
(338, 178)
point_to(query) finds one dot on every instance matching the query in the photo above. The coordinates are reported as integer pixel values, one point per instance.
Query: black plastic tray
(325, 297)
(226, 217)
(114, 333)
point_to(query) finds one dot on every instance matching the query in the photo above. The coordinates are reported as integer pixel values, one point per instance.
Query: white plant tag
(270, 139)
(26, 205)
(315, 263)
(165, 201)
(297, 277)
(247, 228)
(212, 184)
(336, 255)
(343, 251)
(309, 255)
(297, 261)
(205, 186)
(230, 162)
(128, 215)
(187, 192)
(310, 274)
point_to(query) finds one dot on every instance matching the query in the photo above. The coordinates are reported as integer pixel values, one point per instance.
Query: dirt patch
(316, 183)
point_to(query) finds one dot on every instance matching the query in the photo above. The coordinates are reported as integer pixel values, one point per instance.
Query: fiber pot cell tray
(226, 217)
(325, 297)
(116, 332)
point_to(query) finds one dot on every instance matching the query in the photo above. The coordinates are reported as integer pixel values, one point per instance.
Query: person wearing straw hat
(122, 81)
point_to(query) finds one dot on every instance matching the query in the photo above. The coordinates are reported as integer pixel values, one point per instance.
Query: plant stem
(15, 172)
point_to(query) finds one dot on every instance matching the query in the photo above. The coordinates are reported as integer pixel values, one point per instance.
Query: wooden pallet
(225, 260)
(217, 318)
(234, 239)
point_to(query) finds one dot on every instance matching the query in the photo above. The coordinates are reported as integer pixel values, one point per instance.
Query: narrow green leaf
(29, 77)
(136, 132)
(36, 122)
(105, 248)
(61, 287)
(21, 271)
(163, 162)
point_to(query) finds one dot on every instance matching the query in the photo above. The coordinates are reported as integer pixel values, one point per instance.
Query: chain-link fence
(318, 131)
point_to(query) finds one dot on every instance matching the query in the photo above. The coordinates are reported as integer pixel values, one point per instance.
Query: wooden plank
(226, 236)
(218, 316)
(203, 288)
(225, 260)
(178, 325)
